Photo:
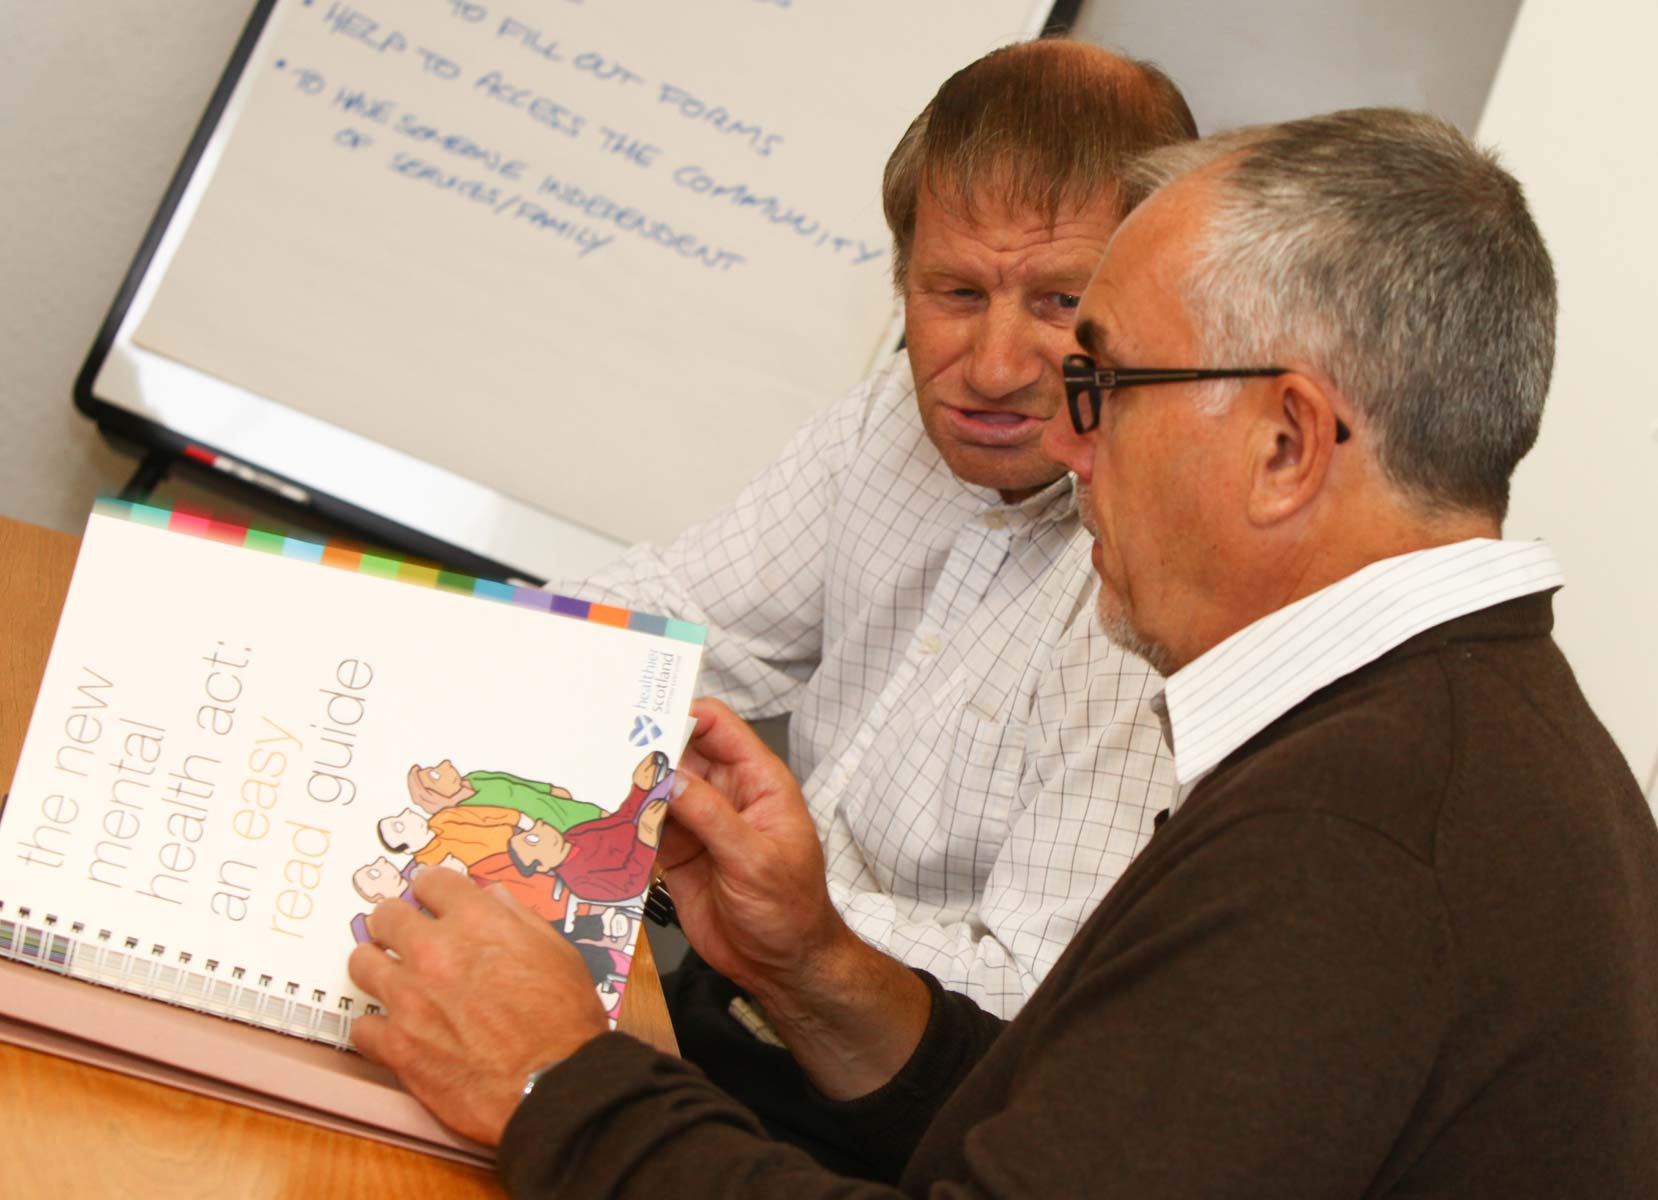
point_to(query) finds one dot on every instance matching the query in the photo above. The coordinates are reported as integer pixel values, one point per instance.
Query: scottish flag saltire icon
(645, 731)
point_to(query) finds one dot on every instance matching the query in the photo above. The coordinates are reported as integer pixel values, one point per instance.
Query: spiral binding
(218, 989)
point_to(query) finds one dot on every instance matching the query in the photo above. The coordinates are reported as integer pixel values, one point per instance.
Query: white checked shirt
(1227, 695)
(980, 761)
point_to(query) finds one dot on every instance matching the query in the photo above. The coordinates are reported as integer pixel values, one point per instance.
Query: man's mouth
(993, 427)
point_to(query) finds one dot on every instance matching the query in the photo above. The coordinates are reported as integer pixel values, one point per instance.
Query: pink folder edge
(224, 1059)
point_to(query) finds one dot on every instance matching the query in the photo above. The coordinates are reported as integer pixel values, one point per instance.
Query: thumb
(723, 739)
(708, 816)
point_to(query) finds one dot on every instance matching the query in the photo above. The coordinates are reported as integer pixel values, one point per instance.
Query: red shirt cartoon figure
(608, 858)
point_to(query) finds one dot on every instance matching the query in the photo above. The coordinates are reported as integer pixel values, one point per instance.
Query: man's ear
(1293, 443)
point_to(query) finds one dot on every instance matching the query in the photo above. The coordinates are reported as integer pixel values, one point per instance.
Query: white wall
(99, 100)
(1245, 61)
(1571, 112)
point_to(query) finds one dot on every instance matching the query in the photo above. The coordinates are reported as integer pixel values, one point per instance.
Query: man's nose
(1006, 353)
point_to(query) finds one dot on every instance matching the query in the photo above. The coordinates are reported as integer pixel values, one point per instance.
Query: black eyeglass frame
(1085, 378)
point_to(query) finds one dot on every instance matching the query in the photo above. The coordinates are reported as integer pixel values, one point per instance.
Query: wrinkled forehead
(1008, 198)
(1014, 245)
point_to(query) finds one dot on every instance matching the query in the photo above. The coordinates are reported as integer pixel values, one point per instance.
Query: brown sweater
(1404, 942)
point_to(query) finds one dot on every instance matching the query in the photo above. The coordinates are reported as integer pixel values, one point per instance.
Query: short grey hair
(1387, 250)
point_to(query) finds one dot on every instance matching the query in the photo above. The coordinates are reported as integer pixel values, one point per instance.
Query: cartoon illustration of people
(606, 859)
(569, 862)
(544, 895)
(610, 926)
(433, 789)
(381, 880)
(609, 969)
(469, 833)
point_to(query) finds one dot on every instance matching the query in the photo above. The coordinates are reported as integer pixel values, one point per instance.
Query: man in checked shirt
(910, 582)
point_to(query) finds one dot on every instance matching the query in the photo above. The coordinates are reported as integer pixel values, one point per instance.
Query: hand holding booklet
(243, 742)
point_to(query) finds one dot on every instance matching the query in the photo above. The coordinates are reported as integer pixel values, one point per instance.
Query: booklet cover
(242, 742)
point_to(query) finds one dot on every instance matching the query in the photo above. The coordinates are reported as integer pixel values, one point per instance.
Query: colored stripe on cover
(398, 570)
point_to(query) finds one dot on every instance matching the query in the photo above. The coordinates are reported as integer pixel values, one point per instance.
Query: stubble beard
(1119, 627)
(1123, 633)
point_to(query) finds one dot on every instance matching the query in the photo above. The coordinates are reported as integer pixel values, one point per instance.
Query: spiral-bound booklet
(242, 742)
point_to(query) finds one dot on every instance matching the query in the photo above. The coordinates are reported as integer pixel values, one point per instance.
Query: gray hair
(1386, 249)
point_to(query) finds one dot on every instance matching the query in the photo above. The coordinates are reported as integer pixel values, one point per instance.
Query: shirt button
(931, 644)
(995, 520)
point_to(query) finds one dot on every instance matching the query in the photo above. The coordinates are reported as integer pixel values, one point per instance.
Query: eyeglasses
(1086, 383)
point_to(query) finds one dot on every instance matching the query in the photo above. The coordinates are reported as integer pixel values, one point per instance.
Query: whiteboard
(528, 280)
(1570, 114)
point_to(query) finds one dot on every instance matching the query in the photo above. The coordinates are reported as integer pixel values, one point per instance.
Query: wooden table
(74, 1130)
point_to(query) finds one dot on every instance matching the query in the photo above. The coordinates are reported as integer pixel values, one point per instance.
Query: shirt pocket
(984, 772)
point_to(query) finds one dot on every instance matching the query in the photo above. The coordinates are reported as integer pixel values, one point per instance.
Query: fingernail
(677, 787)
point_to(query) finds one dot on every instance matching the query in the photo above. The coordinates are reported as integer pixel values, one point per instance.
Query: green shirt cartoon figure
(433, 789)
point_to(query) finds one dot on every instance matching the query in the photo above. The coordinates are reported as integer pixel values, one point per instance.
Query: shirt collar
(1054, 503)
(1227, 695)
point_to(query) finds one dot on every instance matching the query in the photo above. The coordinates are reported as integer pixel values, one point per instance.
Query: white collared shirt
(1225, 696)
(981, 762)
